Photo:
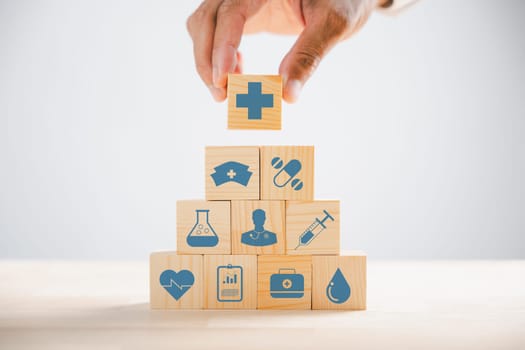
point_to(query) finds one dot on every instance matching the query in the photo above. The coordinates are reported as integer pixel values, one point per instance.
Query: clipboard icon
(229, 283)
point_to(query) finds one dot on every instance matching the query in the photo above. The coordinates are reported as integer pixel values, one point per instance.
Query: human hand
(216, 28)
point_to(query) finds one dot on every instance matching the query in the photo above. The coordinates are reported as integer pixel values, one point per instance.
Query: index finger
(201, 27)
(231, 17)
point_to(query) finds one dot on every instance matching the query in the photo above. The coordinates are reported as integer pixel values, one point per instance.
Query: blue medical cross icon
(254, 100)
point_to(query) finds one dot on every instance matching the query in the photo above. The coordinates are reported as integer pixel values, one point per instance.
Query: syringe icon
(314, 230)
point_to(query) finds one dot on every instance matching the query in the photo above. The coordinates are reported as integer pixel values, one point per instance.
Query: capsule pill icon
(287, 173)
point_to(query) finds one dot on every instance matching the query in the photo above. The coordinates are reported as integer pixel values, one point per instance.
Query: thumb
(304, 57)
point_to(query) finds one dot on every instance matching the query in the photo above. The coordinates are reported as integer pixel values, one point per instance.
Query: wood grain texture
(269, 191)
(238, 117)
(268, 265)
(242, 222)
(249, 281)
(218, 218)
(169, 260)
(300, 215)
(247, 155)
(353, 267)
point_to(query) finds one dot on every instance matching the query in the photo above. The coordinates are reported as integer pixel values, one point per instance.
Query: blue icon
(287, 173)
(231, 172)
(254, 100)
(202, 234)
(229, 283)
(314, 230)
(338, 289)
(285, 285)
(259, 237)
(177, 283)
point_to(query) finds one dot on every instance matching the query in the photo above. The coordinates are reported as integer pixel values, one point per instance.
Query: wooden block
(203, 227)
(258, 227)
(284, 282)
(230, 281)
(254, 101)
(322, 219)
(232, 173)
(176, 281)
(287, 172)
(339, 282)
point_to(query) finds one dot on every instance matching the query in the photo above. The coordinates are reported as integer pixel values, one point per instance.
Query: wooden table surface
(411, 305)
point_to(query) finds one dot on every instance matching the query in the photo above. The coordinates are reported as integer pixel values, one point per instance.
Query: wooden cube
(258, 227)
(232, 173)
(312, 228)
(230, 281)
(287, 173)
(254, 101)
(284, 282)
(203, 227)
(339, 282)
(176, 281)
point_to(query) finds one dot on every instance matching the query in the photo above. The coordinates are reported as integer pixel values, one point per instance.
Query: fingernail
(293, 90)
(217, 64)
(218, 94)
(215, 75)
(224, 62)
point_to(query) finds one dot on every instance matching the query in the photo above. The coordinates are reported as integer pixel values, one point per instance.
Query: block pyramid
(259, 240)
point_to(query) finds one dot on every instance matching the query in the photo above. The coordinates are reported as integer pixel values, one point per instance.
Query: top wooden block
(254, 101)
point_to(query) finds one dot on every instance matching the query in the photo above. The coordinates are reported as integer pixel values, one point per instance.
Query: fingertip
(220, 79)
(219, 94)
(292, 90)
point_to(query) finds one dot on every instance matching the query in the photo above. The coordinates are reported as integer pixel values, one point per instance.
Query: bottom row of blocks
(257, 282)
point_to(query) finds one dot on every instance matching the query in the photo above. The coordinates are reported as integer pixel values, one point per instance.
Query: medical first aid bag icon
(287, 284)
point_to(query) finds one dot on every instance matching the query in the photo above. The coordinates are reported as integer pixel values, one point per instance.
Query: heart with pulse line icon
(177, 283)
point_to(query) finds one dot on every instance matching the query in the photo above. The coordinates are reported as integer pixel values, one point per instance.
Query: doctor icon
(259, 237)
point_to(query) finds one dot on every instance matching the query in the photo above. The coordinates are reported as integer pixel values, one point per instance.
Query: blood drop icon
(338, 289)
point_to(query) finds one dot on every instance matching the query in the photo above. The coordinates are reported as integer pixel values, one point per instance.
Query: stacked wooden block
(259, 240)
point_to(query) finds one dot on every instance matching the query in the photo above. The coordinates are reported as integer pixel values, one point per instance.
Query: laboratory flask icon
(202, 234)
(338, 290)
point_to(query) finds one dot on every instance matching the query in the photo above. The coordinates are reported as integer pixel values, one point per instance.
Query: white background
(418, 123)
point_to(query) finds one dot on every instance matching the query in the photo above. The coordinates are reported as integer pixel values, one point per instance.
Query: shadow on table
(141, 315)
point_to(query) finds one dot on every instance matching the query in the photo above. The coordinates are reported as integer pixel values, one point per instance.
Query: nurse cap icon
(231, 172)
(287, 173)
